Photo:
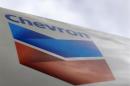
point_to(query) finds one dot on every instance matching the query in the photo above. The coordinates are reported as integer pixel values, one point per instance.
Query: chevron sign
(75, 61)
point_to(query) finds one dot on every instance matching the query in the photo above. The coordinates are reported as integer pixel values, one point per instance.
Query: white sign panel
(35, 51)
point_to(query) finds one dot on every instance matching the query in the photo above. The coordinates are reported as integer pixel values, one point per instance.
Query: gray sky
(110, 16)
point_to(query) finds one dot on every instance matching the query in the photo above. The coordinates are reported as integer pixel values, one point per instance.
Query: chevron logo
(74, 61)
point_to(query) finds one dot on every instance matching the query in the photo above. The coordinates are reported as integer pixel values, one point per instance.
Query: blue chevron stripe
(65, 48)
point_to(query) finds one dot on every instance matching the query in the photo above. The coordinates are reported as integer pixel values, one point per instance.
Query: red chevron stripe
(74, 72)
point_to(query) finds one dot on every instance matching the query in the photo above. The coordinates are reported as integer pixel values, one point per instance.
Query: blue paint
(65, 48)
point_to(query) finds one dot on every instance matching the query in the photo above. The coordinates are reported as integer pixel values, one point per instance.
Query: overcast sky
(103, 15)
